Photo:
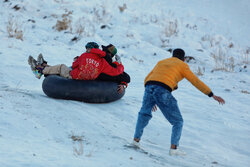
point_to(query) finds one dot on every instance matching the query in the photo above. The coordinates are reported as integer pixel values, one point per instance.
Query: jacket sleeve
(109, 60)
(191, 77)
(75, 64)
(109, 70)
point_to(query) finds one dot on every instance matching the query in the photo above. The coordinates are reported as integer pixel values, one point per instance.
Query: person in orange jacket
(159, 84)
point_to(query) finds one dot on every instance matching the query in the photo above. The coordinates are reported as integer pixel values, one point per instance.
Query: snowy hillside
(38, 131)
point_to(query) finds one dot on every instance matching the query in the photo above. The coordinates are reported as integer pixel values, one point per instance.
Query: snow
(36, 130)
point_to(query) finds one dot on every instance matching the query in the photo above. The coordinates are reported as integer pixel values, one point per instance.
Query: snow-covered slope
(39, 131)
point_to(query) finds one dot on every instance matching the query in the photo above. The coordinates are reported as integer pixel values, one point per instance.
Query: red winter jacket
(90, 65)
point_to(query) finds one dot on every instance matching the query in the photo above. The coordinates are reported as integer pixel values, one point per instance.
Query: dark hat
(91, 45)
(179, 53)
(110, 48)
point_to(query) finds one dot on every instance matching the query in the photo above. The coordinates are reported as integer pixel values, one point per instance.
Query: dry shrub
(76, 138)
(164, 42)
(215, 41)
(78, 151)
(84, 27)
(65, 23)
(154, 19)
(231, 45)
(101, 15)
(221, 52)
(122, 8)
(14, 29)
(78, 141)
(133, 58)
(78, 146)
(171, 28)
(90, 152)
(200, 71)
(245, 56)
(223, 62)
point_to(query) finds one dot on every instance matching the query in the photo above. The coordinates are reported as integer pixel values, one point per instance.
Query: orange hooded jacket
(171, 71)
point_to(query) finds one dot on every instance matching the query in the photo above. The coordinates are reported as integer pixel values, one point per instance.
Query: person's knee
(63, 66)
(178, 122)
(145, 115)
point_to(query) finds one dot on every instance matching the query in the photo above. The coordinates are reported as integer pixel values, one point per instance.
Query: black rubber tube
(87, 91)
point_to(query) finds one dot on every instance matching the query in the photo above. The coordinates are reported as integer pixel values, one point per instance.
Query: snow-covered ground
(37, 131)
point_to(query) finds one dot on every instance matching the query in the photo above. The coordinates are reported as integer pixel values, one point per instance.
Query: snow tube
(87, 91)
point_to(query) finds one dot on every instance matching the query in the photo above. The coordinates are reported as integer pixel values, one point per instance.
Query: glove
(118, 59)
(121, 88)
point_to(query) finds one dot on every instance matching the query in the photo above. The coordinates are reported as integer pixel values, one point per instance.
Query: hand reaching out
(219, 99)
(118, 59)
(154, 108)
(121, 88)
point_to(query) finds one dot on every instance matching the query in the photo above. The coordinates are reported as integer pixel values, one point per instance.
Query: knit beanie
(179, 53)
(110, 48)
(91, 45)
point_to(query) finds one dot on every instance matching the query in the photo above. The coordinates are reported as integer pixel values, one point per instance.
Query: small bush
(245, 56)
(211, 41)
(84, 27)
(231, 45)
(78, 142)
(164, 42)
(78, 151)
(223, 62)
(200, 71)
(76, 138)
(171, 28)
(122, 8)
(14, 29)
(101, 15)
(65, 23)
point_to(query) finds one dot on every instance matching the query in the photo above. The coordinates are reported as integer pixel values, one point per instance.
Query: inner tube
(81, 90)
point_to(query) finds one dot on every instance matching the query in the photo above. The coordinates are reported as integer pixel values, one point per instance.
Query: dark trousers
(124, 77)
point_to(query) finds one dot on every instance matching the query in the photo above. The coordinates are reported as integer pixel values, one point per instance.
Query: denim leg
(169, 107)
(145, 113)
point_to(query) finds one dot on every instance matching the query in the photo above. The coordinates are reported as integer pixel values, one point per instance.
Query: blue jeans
(158, 95)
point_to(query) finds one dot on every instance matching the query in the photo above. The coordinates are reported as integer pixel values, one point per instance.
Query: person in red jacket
(91, 64)
(88, 66)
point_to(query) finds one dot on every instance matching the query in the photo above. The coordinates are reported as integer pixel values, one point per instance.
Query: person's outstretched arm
(191, 77)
